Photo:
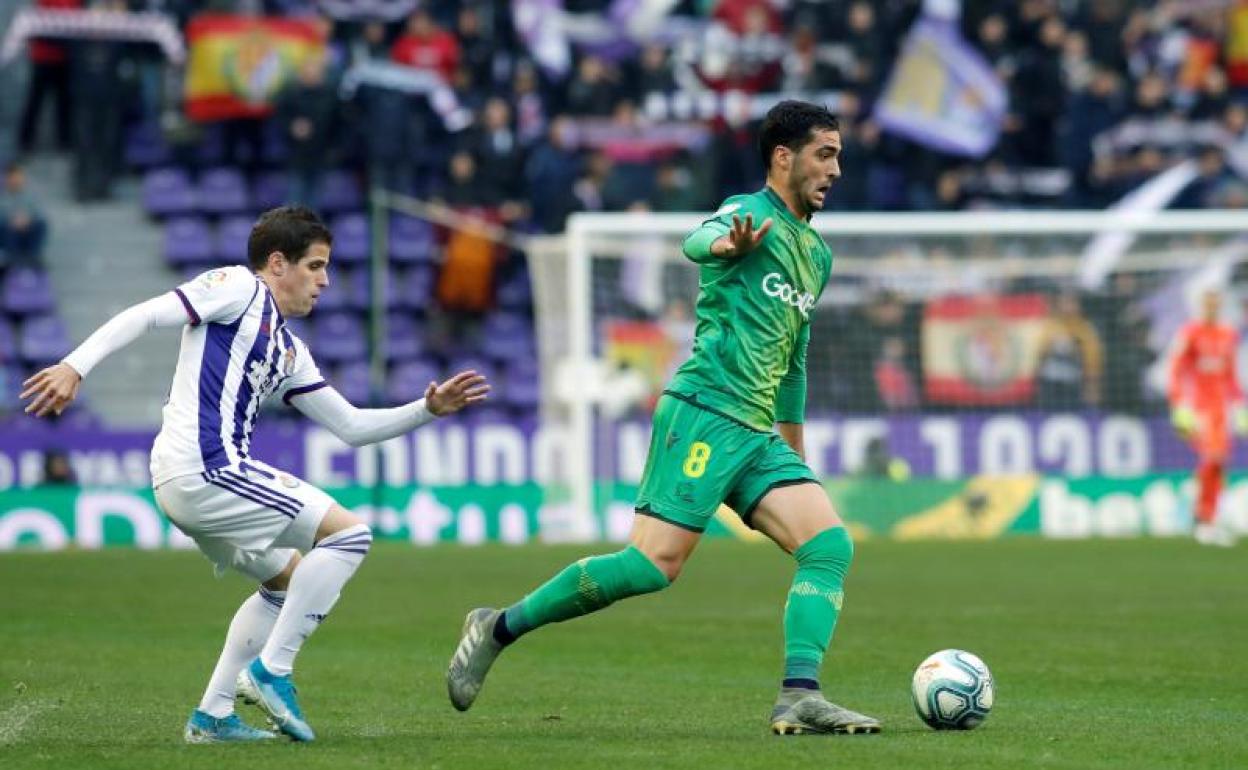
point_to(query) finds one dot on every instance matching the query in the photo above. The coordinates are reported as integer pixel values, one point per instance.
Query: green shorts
(699, 459)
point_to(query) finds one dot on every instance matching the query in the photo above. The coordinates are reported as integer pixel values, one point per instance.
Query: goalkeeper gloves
(1183, 418)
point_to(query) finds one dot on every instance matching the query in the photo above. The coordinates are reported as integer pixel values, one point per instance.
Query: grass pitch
(1125, 654)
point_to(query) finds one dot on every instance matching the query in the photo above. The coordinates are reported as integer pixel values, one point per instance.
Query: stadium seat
(352, 381)
(508, 337)
(8, 342)
(404, 337)
(43, 340)
(357, 284)
(515, 293)
(334, 296)
(407, 382)
(340, 191)
(222, 191)
(340, 337)
(270, 189)
(415, 289)
(523, 389)
(27, 291)
(168, 192)
(145, 146)
(189, 241)
(351, 238)
(231, 240)
(412, 240)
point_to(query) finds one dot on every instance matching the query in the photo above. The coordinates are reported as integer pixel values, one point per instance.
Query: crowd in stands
(1103, 96)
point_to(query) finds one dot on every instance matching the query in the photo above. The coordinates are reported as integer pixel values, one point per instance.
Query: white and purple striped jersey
(236, 353)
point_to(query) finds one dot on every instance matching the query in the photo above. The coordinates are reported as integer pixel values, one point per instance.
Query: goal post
(957, 344)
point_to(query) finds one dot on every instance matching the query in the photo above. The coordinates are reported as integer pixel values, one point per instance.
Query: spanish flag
(239, 63)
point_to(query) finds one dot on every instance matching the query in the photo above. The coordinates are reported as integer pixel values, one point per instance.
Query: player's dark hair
(288, 229)
(792, 124)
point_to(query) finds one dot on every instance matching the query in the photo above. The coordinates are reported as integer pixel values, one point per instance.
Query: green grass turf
(1107, 654)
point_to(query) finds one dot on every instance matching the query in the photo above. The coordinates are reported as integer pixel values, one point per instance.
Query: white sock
(314, 588)
(249, 630)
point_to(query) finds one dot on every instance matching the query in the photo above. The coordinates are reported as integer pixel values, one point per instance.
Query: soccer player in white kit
(301, 547)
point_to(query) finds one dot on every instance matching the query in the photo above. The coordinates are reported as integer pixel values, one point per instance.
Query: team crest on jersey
(288, 361)
(213, 279)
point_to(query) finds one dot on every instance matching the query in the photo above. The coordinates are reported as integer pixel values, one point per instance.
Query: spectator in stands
(49, 76)
(551, 172)
(674, 188)
(528, 104)
(95, 67)
(476, 46)
(1069, 372)
(653, 73)
(23, 227)
(307, 111)
(591, 91)
(497, 148)
(426, 46)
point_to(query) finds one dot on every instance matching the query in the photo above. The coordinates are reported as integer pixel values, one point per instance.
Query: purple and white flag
(942, 93)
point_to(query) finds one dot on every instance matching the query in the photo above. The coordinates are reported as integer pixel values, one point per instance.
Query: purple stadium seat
(43, 340)
(302, 328)
(412, 240)
(188, 241)
(404, 337)
(274, 150)
(515, 293)
(407, 382)
(270, 189)
(210, 150)
(523, 389)
(508, 337)
(222, 191)
(356, 285)
(26, 291)
(334, 296)
(340, 191)
(8, 341)
(475, 363)
(351, 238)
(145, 146)
(340, 337)
(167, 192)
(351, 380)
(231, 241)
(415, 289)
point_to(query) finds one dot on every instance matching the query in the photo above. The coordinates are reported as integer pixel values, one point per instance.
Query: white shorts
(249, 516)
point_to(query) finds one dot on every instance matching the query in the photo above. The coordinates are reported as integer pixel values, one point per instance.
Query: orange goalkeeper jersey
(1202, 374)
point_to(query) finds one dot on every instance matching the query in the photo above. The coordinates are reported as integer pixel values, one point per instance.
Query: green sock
(583, 587)
(814, 603)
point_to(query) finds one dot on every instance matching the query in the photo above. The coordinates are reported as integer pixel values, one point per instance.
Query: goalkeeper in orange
(1206, 402)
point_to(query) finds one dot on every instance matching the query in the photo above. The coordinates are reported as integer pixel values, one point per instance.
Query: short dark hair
(288, 229)
(790, 123)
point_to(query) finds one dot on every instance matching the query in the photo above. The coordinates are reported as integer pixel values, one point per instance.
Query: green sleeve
(791, 399)
(697, 246)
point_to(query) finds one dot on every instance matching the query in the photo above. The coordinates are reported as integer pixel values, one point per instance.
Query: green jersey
(753, 315)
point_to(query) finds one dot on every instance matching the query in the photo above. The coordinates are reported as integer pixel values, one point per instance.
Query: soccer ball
(952, 690)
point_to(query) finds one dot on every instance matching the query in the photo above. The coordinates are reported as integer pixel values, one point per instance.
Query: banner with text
(457, 452)
(984, 507)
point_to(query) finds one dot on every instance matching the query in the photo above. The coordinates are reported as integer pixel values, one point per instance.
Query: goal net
(945, 347)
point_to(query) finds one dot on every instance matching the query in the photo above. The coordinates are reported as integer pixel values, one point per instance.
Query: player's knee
(356, 539)
(337, 519)
(281, 581)
(832, 548)
(667, 560)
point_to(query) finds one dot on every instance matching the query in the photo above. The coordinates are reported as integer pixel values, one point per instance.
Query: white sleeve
(124, 328)
(219, 295)
(358, 427)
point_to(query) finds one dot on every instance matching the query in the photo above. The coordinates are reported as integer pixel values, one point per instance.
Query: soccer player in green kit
(713, 439)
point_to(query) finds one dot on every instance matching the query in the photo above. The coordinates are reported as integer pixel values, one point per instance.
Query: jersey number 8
(695, 462)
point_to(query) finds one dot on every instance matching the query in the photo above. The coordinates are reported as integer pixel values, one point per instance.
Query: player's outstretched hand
(743, 238)
(53, 389)
(464, 389)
